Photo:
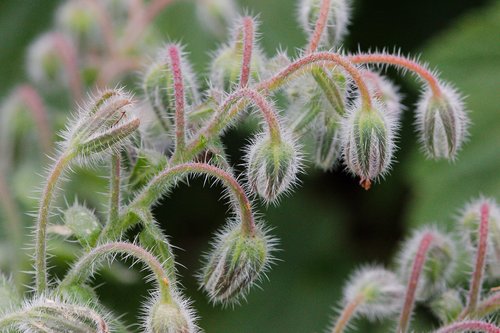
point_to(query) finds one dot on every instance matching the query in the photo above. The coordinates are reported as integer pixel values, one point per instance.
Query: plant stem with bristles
(320, 26)
(347, 314)
(472, 325)
(248, 36)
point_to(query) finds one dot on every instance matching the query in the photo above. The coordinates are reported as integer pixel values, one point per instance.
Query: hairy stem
(418, 265)
(248, 36)
(43, 220)
(175, 63)
(114, 191)
(487, 306)
(471, 325)
(347, 314)
(84, 268)
(320, 26)
(400, 61)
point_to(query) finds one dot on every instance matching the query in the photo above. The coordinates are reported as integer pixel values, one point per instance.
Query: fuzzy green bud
(447, 305)
(272, 166)
(170, 317)
(83, 224)
(328, 148)
(368, 140)
(238, 259)
(442, 123)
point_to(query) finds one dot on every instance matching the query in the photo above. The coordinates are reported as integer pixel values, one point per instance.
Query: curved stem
(43, 220)
(487, 306)
(320, 26)
(167, 178)
(248, 36)
(399, 61)
(471, 325)
(327, 59)
(84, 268)
(175, 63)
(347, 314)
(418, 265)
(480, 263)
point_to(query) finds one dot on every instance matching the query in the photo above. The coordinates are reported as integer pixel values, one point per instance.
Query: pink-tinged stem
(175, 63)
(487, 306)
(320, 26)
(470, 325)
(325, 59)
(347, 314)
(70, 60)
(399, 61)
(418, 265)
(248, 36)
(35, 105)
(477, 275)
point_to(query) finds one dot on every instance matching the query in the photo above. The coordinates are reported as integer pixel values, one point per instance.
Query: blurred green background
(329, 226)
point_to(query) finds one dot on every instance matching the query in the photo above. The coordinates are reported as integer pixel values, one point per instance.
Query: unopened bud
(442, 123)
(83, 224)
(368, 140)
(236, 262)
(272, 166)
(380, 291)
(447, 305)
(328, 141)
(440, 262)
(469, 226)
(336, 24)
(170, 317)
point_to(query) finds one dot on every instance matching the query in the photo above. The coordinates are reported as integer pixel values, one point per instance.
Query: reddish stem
(487, 306)
(175, 63)
(471, 325)
(320, 26)
(418, 265)
(248, 35)
(69, 58)
(35, 105)
(347, 314)
(399, 61)
(477, 275)
(325, 59)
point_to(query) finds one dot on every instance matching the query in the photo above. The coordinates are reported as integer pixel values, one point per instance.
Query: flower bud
(158, 87)
(469, 226)
(328, 141)
(380, 291)
(447, 305)
(103, 123)
(368, 141)
(216, 14)
(336, 24)
(272, 166)
(83, 224)
(442, 123)
(237, 260)
(170, 317)
(439, 264)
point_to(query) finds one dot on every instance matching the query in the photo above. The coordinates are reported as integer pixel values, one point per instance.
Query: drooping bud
(272, 166)
(336, 24)
(386, 92)
(440, 262)
(469, 226)
(216, 14)
(158, 87)
(379, 291)
(173, 316)
(83, 224)
(368, 141)
(447, 305)
(105, 122)
(237, 260)
(442, 123)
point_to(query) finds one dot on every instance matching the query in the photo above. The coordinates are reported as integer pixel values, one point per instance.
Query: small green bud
(442, 123)
(83, 224)
(170, 317)
(328, 140)
(272, 166)
(380, 291)
(439, 264)
(236, 262)
(368, 141)
(336, 24)
(447, 306)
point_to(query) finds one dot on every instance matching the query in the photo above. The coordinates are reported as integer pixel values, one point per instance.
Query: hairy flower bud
(272, 166)
(380, 291)
(368, 141)
(336, 24)
(158, 87)
(216, 14)
(447, 305)
(173, 316)
(83, 224)
(106, 121)
(328, 141)
(442, 123)
(469, 226)
(439, 264)
(236, 262)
